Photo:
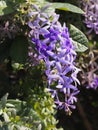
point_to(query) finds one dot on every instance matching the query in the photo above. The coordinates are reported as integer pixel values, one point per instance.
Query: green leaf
(1, 111)
(9, 6)
(6, 117)
(17, 103)
(4, 100)
(39, 127)
(5, 7)
(78, 36)
(79, 40)
(10, 105)
(38, 1)
(67, 7)
(79, 47)
(17, 66)
(19, 49)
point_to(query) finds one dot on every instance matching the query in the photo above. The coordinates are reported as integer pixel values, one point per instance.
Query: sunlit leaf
(67, 7)
(5, 8)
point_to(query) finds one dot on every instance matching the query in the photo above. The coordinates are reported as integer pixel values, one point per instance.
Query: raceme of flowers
(54, 45)
(91, 14)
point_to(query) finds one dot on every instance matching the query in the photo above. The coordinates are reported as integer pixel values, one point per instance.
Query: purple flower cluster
(91, 14)
(89, 68)
(54, 45)
(92, 81)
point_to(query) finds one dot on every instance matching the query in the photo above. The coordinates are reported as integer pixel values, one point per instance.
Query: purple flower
(91, 14)
(54, 45)
(93, 83)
